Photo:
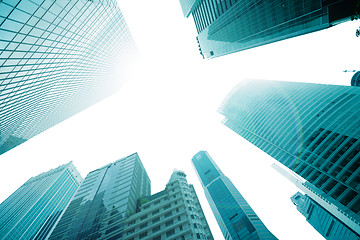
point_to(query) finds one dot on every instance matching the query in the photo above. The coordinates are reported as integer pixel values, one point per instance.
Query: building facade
(312, 129)
(344, 223)
(32, 210)
(104, 200)
(56, 59)
(324, 222)
(229, 26)
(172, 214)
(234, 215)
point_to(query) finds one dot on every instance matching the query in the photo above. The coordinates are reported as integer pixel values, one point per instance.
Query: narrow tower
(234, 215)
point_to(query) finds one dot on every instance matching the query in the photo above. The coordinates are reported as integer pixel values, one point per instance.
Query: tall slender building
(174, 213)
(56, 59)
(229, 26)
(104, 200)
(234, 215)
(312, 129)
(32, 211)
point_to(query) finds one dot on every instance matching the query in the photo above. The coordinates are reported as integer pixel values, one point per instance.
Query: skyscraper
(174, 213)
(104, 200)
(234, 215)
(229, 26)
(33, 209)
(56, 59)
(324, 222)
(312, 129)
(324, 212)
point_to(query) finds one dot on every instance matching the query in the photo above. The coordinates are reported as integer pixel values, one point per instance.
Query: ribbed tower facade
(312, 129)
(330, 227)
(56, 59)
(229, 26)
(104, 200)
(234, 215)
(32, 210)
(172, 214)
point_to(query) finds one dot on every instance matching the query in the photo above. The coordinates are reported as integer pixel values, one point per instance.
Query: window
(168, 223)
(155, 212)
(157, 238)
(130, 231)
(168, 214)
(156, 220)
(170, 233)
(143, 217)
(143, 225)
(142, 235)
(167, 207)
(155, 229)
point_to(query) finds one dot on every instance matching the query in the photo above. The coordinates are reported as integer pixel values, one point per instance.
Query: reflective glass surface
(56, 59)
(32, 210)
(105, 199)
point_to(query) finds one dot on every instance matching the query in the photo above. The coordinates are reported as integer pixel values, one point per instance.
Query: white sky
(167, 112)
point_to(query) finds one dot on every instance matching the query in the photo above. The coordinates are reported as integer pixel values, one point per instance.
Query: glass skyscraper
(56, 59)
(234, 215)
(324, 222)
(312, 129)
(33, 209)
(229, 26)
(104, 200)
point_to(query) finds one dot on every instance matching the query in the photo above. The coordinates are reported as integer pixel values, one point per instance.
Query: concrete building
(234, 215)
(56, 59)
(312, 129)
(229, 26)
(174, 213)
(33, 210)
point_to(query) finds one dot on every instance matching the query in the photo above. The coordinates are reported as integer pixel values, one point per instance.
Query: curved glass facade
(33, 209)
(312, 129)
(56, 59)
(234, 215)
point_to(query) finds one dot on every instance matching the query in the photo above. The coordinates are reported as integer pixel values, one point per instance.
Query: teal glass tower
(330, 227)
(32, 211)
(312, 129)
(56, 59)
(229, 26)
(234, 215)
(104, 200)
